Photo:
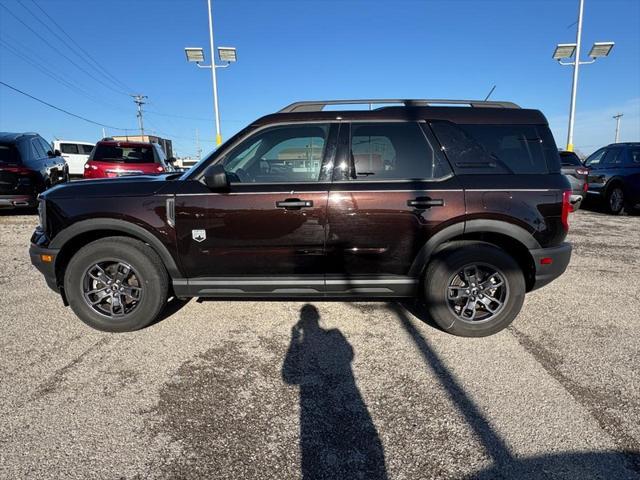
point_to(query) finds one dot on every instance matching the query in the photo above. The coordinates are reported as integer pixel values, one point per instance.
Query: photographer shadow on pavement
(338, 439)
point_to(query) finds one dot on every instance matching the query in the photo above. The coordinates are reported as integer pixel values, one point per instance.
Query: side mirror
(56, 153)
(216, 178)
(171, 160)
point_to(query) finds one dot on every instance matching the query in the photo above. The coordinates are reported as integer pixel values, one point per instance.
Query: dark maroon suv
(459, 203)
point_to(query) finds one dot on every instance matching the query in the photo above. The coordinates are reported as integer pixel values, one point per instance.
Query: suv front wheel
(116, 284)
(474, 289)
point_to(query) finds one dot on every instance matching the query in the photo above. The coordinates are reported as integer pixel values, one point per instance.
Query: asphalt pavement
(328, 390)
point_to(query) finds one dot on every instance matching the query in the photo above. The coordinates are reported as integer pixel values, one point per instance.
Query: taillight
(567, 208)
(582, 171)
(18, 170)
(88, 166)
(585, 187)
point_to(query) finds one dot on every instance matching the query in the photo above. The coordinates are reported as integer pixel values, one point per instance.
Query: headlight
(42, 214)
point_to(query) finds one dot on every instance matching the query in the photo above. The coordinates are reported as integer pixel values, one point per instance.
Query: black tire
(614, 201)
(146, 269)
(444, 270)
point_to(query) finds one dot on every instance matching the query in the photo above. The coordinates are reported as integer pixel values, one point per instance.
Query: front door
(266, 235)
(392, 190)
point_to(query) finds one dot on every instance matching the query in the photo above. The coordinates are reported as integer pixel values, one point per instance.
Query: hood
(133, 186)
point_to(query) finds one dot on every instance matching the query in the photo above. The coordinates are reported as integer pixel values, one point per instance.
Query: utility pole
(198, 149)
(139, 100)
(617, 118)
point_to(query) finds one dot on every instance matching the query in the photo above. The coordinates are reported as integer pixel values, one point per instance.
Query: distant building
(163, 142)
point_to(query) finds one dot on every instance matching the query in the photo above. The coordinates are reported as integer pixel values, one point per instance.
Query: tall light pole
(228, 54)
(567, 50)
(617, 118)
(213, 77)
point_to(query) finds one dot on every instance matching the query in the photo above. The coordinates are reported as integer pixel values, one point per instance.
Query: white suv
(75, 154)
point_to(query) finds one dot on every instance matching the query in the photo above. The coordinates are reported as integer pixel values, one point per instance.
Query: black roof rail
(319, 105)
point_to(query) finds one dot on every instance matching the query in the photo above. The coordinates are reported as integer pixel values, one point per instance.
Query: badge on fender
(199, 235)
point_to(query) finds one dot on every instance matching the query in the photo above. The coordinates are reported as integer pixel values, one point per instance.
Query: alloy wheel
(477, 293)
(616, 199)
(112, 288)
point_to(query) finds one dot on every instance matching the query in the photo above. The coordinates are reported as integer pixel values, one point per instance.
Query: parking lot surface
(286, 390)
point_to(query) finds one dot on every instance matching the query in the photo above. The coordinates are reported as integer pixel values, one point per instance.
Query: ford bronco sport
(458, 203)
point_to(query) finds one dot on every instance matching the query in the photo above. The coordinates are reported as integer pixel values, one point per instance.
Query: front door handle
(425, 202)
(294, 204)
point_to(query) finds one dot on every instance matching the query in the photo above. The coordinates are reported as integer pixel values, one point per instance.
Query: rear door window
(391, 151)
(37, 150)
(515, 149)
(86, 149)
(613, 157)
(70, 148)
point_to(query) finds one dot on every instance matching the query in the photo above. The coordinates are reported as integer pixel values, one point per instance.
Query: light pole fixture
(568, 50)
(226, 54)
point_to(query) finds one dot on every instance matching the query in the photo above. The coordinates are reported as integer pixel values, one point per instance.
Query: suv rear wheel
(474, 290)
(116, 284)
(615, 199)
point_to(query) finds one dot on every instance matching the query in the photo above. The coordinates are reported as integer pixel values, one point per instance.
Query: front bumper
(48, 269)
(550, 263)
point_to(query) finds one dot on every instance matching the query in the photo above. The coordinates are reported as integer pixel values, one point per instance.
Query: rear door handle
(294, 204)
(425, 202)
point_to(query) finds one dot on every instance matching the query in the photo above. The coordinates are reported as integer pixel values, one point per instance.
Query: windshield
(9, 154)
(124, 153)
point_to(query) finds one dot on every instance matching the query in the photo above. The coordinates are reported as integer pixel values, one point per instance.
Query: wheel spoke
(458, 292)
(468, 312)
(489, 282)
(471, 274)
(122, 271)
(487, 301)
(133, 292)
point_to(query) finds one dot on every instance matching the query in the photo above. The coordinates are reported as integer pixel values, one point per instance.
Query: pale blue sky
(307, 49)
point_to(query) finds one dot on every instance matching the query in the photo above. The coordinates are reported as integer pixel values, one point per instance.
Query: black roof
(12, 137)
(453, 114)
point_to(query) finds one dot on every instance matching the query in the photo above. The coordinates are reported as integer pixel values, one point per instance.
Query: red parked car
(111, 158)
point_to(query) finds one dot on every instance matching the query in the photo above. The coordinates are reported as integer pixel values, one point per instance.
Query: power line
(114, 79)
(62, 109)
(40, 65)
(79, 67)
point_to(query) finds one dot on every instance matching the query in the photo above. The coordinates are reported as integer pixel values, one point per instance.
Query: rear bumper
(14, 201)
(550, 263)
(47, 269)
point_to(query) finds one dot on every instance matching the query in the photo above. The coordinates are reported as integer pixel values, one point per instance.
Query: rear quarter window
(498, 149)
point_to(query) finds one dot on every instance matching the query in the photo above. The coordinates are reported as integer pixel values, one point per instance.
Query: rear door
(266, 235)
(392, 191)
(632, 174)
(11, 170)
(74, 155)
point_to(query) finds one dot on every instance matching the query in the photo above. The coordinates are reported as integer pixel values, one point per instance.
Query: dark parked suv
(459, 203)
(27, 167)
(614, 176)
